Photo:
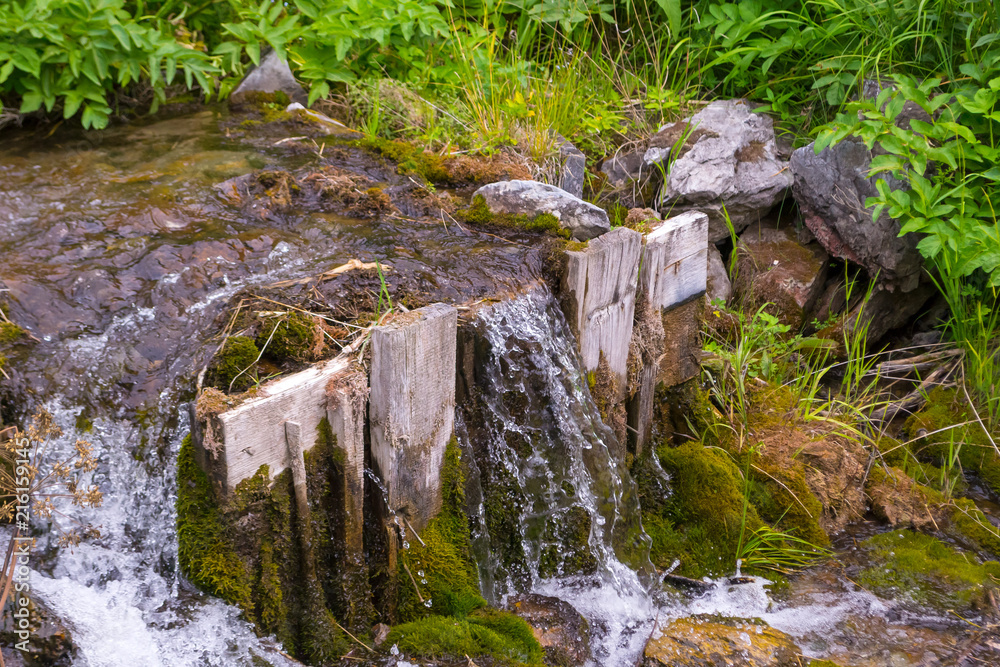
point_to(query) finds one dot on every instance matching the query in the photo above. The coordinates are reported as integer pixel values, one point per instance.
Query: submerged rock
(773, 267)
(272, 75)
(708, 641)
(732, 161)
(563, 633)
(583, 219)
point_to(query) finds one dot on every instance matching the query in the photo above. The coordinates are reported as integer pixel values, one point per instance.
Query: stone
(717, 287)
(572, 169)
(412, 407)
(563, 633)
(629, 180)
(774, 267)
(270, 76)
(732, 160)
(380, 632)
(583, 219)
(327, 125)
(599, 290)
(710, 641)
(831, 189)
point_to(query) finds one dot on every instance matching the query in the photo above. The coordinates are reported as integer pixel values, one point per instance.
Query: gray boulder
(831, 189)
(270, 76)
(583, 219)
(572, 168)
(718, 286)
(729, 158)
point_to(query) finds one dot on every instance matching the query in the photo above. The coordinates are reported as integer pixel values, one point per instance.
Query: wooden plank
(599, 287)
(412, 407)
(675, 260)
(253, 433)
(347, 405)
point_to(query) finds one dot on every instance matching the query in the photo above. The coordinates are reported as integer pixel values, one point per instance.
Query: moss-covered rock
(568, 551)
(927, 571)
(706, 641)
(498, 634)
(479, 213)
(700, 522)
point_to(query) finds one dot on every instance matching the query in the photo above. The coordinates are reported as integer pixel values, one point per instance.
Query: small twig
(350, 635)
(413, 531)
(415, 587)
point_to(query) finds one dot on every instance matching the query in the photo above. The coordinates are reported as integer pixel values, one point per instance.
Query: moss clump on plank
(296, 339)
(440, 570)
(501, 635)
(233, 367)
(479, 213)
(927, 571)
(204, 551)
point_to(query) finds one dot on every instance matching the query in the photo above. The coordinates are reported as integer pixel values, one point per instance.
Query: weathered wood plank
(599, 287)
(253, 433)
(412, 407)
(347, 406)
(675, 260)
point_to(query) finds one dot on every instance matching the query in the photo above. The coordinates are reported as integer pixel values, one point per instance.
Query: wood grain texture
(253, 433)
(347, 405)
(600, 287)
(412, 407)
(675, 260)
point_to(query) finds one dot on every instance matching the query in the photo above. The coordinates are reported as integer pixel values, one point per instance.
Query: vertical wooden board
(601, 283)
(347, 404)
(412, 407)
(682, 333)
(675, 260)
(253, 433)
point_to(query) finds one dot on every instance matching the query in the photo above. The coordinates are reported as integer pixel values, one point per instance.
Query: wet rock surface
(732, 159)
(710, 641)
(270, 76)
(583, 219)
(563, 633)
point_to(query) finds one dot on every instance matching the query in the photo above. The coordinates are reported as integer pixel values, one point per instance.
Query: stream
(121, 259)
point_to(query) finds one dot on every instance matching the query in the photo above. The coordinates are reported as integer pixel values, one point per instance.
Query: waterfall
(556, 513)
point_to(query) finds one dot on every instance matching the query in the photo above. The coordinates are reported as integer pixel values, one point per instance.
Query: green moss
(699, 523)
(784, 500)
(953, 430)
(974, 526)
(292, 340)
(441, 570)
(233, 366)
(927, 571)
(479, 213)
(9, 332)
(204, 551)
(409, 158)
(498, 634)
(84, 424)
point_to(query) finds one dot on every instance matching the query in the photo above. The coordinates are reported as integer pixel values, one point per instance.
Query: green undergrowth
(478, 213)
(927, 571)
(204, 551)
(443, 611)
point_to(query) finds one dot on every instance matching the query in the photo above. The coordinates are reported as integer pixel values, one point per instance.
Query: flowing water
(120, 258)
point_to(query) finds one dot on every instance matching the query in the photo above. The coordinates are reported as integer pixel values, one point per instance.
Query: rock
(630, 181)
(270, 76)
(732, 160)
(532, 198)
(573, 168)
(887, 308)
(718, 287)
(773, 267)
(563, 633)
(710, 641)
(831, 189)
(380, 632)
